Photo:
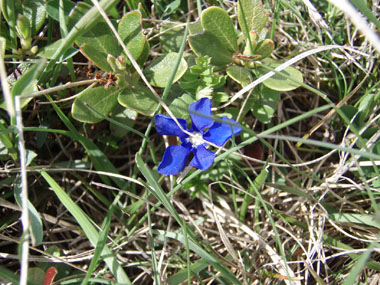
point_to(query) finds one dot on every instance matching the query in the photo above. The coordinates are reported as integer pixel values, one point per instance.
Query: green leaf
(195, 28)
(27, 81)
(9, 275)
(220, 97)
(264, 48)
(26, 84)
(101, 99)
(48, 51)
(258, 184)
(6, 144)
(6, 42)
(80, 26)
(97, 42)
(52, 9)
(23, 27)
(251, 16)
(144, 54)
(138, 98)
(130, 32)
(124, 116)
(80, 9)
(181, 276)
(217, 21)
(159, 70)
(171, 7)
(286, 80)
(97, 54)
(360, 219)
(240, 74)
(36, 229)
(100, 161)
(171, 36)
(8, 11)
(361, 263)
(266, 105)
(206, 256)
(179, 106)
(203, 93)
(35, 11)
(36, 276)
(207, 44)
(89, 230)
(218, 40)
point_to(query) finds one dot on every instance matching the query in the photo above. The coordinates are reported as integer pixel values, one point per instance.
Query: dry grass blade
(281, 266)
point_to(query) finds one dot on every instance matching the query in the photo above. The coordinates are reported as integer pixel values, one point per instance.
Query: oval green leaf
(48, 51)
(139, 99)
(264, 48)
(125, 116)
(35, 11)
(101, 99)
(217, 21)
(159, 70)
(251, 16)
(171, 36)
(286, 80)
(97, 42)
(36, 276)
(266, 105)
(180, 105)
(130, 32)
(218, 40)
(52, 8)
(240, 74)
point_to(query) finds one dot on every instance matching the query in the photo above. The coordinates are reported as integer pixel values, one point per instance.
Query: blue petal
(174, 160)
(196, 110)
(203, 158)
(167, 126)
(219, 133)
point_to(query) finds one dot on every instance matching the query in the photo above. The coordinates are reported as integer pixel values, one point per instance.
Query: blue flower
(204, 127)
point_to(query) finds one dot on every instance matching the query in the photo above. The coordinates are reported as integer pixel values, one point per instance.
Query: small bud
(252, 35)
(120, 62)
(26, 43)
(112, 62)
(34, 49)
(264, 48)
(23, 27)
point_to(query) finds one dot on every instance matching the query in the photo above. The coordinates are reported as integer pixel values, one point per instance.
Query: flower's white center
(196, 139)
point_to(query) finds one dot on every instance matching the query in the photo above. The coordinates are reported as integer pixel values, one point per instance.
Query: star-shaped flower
(204, 127)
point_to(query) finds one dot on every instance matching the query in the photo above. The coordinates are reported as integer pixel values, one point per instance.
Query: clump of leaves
(215, 36)
(122, 83)
(24, 20)
(201, 79)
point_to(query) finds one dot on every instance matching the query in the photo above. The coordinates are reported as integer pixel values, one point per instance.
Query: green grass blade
(9, 275)
(181, 276)
(100, 161)
(36, 229)
(207, 257)
(6, 140)
(102, 240)
(89, 230)
(358, 267)
(84, 24)
(362, 7)
(257, 183)
(190, 243)
(159, 193)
